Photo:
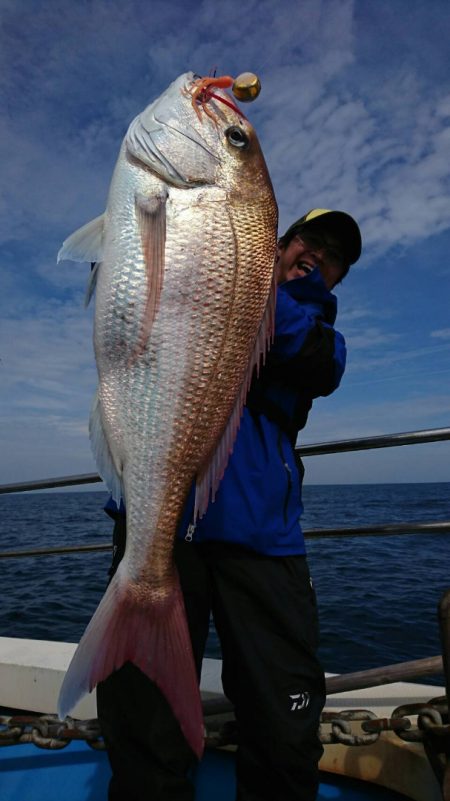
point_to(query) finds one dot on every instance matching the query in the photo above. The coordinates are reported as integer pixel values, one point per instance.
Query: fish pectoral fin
(85, 244)
(151, 216)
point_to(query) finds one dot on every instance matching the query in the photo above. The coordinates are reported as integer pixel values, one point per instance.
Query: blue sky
(354, 114)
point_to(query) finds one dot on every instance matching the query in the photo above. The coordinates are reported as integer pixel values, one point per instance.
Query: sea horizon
(88, 489)
(377, 595)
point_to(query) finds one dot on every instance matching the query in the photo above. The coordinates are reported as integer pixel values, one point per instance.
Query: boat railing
(405, 671)
(417, 668)
(321, 448)
(315, 449)
(379, 441)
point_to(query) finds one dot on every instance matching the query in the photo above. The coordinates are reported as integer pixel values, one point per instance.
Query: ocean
(377, 595)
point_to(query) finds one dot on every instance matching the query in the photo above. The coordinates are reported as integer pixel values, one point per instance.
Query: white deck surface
(31, 673)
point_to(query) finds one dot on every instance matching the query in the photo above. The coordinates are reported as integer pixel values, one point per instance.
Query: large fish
(184, 311)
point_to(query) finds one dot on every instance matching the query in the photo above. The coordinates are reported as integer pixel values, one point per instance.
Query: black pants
(265, 615)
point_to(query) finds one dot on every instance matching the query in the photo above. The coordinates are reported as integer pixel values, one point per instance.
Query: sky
(354, 114)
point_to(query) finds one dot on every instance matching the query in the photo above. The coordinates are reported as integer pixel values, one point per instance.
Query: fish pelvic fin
(209, 478)
(109, 470)
(92, 283)
(85, 244)
(154, 636)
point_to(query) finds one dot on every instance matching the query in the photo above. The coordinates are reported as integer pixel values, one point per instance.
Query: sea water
(377, 595)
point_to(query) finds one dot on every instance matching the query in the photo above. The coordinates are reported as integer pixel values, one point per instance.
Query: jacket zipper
(190, 532)
(288, 469)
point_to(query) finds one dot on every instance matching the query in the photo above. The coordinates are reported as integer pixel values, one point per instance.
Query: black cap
(338, 223)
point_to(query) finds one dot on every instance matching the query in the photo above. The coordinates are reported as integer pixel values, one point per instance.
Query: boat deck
(80, 774)
(31, 672)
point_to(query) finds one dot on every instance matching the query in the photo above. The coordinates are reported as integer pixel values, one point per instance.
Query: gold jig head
(246, 87)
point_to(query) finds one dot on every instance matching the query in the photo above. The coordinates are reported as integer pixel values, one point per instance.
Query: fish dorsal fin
(151, 217)
(209, 479)
(85, 244)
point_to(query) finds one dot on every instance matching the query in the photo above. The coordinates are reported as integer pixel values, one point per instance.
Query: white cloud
(352, 313)
(382, 154)
(333, 419)
(348, 118)
(442, 333)
(48, 378)
(370, 338)
(48, 358)
(374, 361)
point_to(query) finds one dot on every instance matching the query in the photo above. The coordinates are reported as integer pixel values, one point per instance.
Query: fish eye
(237, 137)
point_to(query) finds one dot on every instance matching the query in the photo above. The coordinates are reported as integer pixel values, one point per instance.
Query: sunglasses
(330, 248)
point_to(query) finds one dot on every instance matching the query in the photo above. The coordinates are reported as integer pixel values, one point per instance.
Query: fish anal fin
(154, 636)
(209, 478)
(85, 244)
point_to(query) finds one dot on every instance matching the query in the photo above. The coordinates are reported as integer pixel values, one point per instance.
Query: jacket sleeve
(307, 353)
(320, 363)
(293, 323)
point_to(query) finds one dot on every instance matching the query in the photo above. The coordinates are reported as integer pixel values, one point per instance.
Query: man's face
(308, 251)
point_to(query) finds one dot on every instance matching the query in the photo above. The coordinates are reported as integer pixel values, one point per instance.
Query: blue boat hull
(78, 773)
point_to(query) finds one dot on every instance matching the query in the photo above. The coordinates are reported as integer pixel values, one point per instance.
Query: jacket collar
(312, 289)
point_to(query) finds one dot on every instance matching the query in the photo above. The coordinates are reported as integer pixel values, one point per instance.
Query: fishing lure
(246, 87)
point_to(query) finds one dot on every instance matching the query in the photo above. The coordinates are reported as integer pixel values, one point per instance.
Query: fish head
(188, 141)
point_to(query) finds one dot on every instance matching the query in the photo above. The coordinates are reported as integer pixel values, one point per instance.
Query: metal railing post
(444, 628)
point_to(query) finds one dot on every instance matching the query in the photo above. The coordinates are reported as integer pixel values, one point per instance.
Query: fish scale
(184, 312)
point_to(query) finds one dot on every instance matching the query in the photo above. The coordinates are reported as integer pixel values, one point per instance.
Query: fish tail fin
(152, 635)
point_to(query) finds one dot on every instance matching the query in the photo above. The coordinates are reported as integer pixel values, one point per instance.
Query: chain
(47, 731)
(431, 716)
(340, 729)
(355, 727)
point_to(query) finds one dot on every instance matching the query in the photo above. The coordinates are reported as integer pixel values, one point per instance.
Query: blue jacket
(258, 503)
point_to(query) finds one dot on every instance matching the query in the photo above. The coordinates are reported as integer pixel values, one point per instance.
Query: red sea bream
(184, 311)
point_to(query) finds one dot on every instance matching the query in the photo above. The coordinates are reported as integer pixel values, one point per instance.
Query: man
(245, 561)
